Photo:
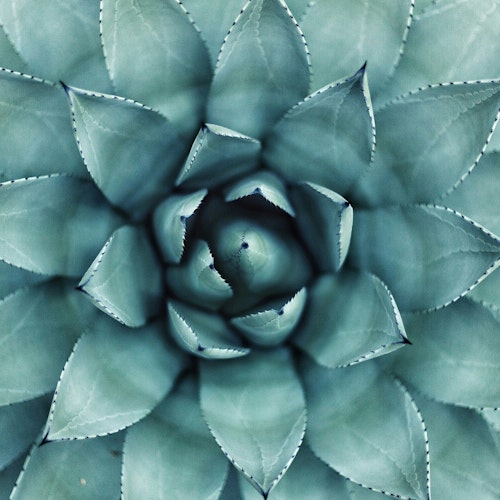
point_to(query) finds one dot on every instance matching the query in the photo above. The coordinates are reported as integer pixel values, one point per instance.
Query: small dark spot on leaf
(280, 312)
(245, 245)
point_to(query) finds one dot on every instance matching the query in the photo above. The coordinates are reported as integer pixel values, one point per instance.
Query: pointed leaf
(262, 69)
(9, 56)
(174, 439)
(488, 291)
(427, 255)
(255, 409)
(114, 377)
(203, 334)
(14, 278)
(365, 425)
(156, 38)
(132, 153)
(324, 219)
(351, 317)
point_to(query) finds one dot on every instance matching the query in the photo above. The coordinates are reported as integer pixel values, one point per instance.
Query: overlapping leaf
(488, 291)
(14, 278)
(9, 57)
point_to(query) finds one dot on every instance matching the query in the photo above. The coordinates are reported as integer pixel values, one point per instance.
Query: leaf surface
(8, 54)
(14, 278)
(488, 290)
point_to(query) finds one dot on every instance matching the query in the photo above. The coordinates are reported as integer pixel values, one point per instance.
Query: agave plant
(249, 250)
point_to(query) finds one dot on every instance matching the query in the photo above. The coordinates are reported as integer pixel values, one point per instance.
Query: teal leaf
(454, 356)
(298, 7)
(9, 475)
(156, 38)
(14, 278)
(488, 291)
(116, 136)
(114, 377)
(420, 158)
(171, 453)
(364, 424)
(256, 411)
(169, 222)
(328, 138)
(9, 56)
(196, 280)
(324, 219)
(70, 50)
(124, 280)
(86, 469)
(492, 416)
(262, 69)
(217, 155)
(203, 334)
(32, 108)
(428, 256)
(351, 317)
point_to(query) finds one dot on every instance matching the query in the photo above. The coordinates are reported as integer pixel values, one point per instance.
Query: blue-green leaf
(488, 291)
(428, 256)
(14, 278)
(9, 475)
(365, 425)
(171, 453)
(256, 411)
(262, 69)
(492, 416)
(114, 377)
(9, 57)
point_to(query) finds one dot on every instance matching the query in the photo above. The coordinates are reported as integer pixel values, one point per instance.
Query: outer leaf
(455, 356)
(416, 249)
(255, 409)
(124, 280)
(156, 38)
(328, 138)
(173, 440)
(262, 69)
(351, 317)
(113, 378)
(14, 278)
(8, 476)
(231, 489)
(9, 57)
(68, 224)
(132, 152)
(365, 425)
(74, 469)
(488, 290)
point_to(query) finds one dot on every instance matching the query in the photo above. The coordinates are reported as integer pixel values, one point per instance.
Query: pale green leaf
(357, 492)
(256, 411)
(9, 57)
(14, 278)
(155, 55)
(262, 69)
(298, 7)
(351, 317)
(422, 5)
(171, 454)
(492, 416)
(428, 256)
(365, 425)
(114, 377)
(488, 291)
(8, 477)
(124, 280)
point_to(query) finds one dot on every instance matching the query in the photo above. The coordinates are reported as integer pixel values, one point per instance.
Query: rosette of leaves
(223, 277)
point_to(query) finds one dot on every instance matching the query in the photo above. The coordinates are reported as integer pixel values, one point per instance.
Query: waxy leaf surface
(8, 54)
(14, 278)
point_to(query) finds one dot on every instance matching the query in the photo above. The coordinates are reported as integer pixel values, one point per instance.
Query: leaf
(156, 38)
(255, 409)
(14, 278)
(32, 108)
(364, 424)
(68, 224)
(421, 158)
(124, 280)
(454, 356)
(132, 153)
(114, 377)
(492, 416)
(428, 256)
(328, 138)
(171, 452)
(73, 469)
(262, 69)
(8, 476)
(231, 489)
(351, 317)
(488, 291)
(9, 57)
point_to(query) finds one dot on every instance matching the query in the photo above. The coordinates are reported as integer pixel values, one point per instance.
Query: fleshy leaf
(364, 424)
(9, 475)
(454, 356)
(488, 291)
(218, 155)
(328, 138)
(428, 256)
(114, 377)
(86, 469)
(172, 454)
(492, 416)
(262, 69)
(351, 317)
(420, 158)
(196, 280)
(256, 411)
(14, 278)
(324, 219)
(156, 38)
(203, 334)
(124, 280)
(68, 221)
(9, 56)
(272, 326)
(132, 152)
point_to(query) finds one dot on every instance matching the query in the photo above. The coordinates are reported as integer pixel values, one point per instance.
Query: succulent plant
(249, 250)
